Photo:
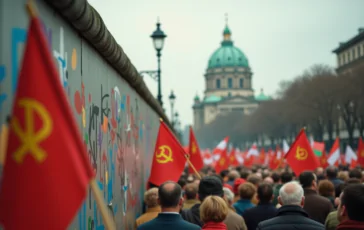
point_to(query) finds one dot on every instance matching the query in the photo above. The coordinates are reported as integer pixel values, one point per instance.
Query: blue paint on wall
(2, 77)
(18, 36)
(82, 217)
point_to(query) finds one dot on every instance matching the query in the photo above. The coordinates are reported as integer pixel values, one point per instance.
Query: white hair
(229, 194)
(291, 193)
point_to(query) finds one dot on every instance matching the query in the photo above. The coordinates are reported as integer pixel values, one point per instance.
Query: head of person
(244, 174)
(229, 196)
(343, 175)
(268, 180)
(233, 174)
(210, 185)
(191, 191)
(182, 182)
(308, 180)
(276, 177)
(286, 177)
(326, 188)
(355, 173)
(265, 193)
(254, 179)
(291, 193)
(151, 198)
(170, 196)
(351, 203)
(213, 209)
(331, 172)
(247, 191)
(237, 183)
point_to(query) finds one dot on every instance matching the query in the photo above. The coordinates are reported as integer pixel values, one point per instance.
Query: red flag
(47, 171)
(360, 152)
(169, 157)
(223, 162)
(273, 161)
(195, 153)
(232, 158)
(300, 156)
(323, 160)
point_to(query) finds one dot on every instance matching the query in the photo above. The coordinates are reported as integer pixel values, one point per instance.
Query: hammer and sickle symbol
(222, 161)
(301, 154)
(29, 137)
(362, 153)
(164, 155)
(193, 148)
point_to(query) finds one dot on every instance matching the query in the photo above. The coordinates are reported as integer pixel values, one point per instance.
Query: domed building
(228, 81)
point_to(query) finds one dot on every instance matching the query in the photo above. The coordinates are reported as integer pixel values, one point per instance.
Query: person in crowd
(332, 220)
(315, 205)
(232, 176)
(170, 199)
(153, 208)
(182, 182)
(255, 179)
(213, 212)
(247, 192)
(331, 175)
(291, 215)
(212, 185)
(264, 210)
(276, 178)
(326, 189)
(224, 175)
(343, 176)
(190, 196)
(355, 173)
(350, 210)
(229, 198)
(268, 180)
(237, 183)
(285, 177)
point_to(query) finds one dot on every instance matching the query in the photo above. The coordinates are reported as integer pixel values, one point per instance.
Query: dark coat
(350, 225)
(290, 217)
(168, 221)
(261, 212)
(316, 206)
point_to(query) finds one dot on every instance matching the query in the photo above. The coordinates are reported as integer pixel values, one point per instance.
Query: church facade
(228, 85)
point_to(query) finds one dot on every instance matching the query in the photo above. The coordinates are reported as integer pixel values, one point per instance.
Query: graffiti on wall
(116, 126)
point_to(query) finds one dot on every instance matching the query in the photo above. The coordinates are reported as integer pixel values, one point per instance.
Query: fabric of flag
(233, 161)
(300, 156)
(194, 153)
(169, 157)
(221, 147)
(323, 160)
(223, 162)
(334, 155)
(46, 171)
(318, 148)
(350, 155)
(360, 152)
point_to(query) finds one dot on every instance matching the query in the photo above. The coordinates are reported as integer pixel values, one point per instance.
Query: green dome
(228, 55)
(262, 96)
(212, 99)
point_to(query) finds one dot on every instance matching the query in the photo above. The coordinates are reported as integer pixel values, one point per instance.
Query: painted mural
(117, 126)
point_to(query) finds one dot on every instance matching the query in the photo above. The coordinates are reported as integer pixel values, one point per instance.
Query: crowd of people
(257, 198)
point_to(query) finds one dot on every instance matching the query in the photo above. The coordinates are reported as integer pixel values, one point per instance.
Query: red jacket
(350, 224)
(214, 226)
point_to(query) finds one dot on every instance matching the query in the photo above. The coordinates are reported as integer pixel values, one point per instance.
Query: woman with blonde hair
(213, 212)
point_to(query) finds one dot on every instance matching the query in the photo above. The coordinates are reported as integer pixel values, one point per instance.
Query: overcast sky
(281, 38)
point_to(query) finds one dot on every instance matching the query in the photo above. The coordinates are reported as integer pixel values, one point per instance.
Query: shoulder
(189, 225)
(233, 215)
(147, 225)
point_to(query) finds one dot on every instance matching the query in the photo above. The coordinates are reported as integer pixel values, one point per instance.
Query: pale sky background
(281, 38)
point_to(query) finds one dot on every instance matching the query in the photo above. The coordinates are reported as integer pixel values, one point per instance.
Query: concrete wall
(118, 126)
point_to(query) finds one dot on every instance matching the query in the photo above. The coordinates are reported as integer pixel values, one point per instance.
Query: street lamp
(172, 99)
(158, 37)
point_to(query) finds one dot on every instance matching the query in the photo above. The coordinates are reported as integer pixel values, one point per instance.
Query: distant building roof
(212, 99)
(352, 41)
(262, 96)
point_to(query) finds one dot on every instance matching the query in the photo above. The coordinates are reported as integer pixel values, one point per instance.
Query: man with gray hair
(291, 215)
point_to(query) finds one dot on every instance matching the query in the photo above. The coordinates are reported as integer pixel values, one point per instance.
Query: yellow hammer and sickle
(232, 158)
(29, 137)
(222, 161)
(301, 154)
(193, 148)
(164, 155)
(362, 153)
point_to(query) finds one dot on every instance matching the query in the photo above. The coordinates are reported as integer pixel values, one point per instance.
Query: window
(218, 84)
(358, 53)
(354, 54)
(241, 83)
(230, 83)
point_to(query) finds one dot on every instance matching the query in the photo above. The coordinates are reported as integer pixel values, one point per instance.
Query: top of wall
(88, 22)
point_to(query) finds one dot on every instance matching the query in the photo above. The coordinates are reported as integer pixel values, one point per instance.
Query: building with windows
(351, 53)
(228, 80)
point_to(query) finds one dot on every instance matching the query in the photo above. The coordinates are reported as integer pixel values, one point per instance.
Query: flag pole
(191, 165)
(3, 142)
(109, 224)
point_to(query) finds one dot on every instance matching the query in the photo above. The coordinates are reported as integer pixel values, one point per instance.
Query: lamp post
(172, 99)
(158, 37)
